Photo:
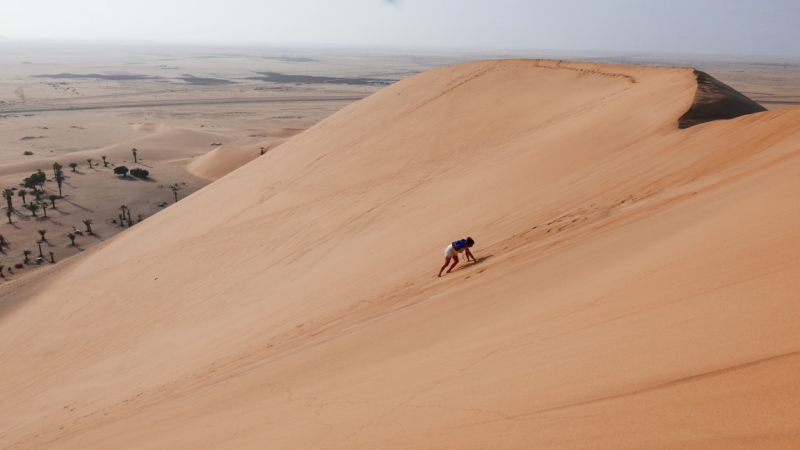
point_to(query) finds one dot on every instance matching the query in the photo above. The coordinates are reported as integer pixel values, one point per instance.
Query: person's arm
(469, 255)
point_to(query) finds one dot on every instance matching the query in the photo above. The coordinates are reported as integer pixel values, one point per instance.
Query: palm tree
(52, 259)
(56, 168)
(105, 163)
(73, 165)
(123, 208)
(26, 253)
(90, 162)
(22, 193)
(71, 237)
(44, 208)
(40, 242)
(33, 207)
(59, 180)
(53, 199)
(175, 188)
(8, 214)
(42, 233)
(88, 223)
(134, 155)
(8, 194)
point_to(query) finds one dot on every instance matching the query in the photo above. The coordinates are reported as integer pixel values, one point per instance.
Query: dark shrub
(121, 170)
(140, 173)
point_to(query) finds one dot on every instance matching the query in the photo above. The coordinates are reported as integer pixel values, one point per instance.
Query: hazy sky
(753, 27)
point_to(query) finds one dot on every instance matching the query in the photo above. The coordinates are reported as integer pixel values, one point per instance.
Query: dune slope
(636, 284)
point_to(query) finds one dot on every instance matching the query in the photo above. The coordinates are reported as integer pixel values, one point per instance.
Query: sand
(635, 288)
(224, 159)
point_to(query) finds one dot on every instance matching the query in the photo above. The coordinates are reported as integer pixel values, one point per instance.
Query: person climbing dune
(452, 251)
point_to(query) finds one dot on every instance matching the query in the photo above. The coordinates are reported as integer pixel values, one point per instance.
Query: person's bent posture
(452, 251)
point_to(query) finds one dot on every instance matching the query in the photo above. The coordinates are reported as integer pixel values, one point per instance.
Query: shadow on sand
(79, 206)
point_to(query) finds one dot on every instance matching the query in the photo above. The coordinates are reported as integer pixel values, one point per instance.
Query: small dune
(222, 161)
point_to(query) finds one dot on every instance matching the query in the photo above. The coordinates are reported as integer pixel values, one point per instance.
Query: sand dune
(636, 285)
(222, 161)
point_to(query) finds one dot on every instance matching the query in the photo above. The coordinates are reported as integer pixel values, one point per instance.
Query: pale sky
(738, 27)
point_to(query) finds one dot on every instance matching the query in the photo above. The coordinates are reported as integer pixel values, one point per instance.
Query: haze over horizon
(705, 26)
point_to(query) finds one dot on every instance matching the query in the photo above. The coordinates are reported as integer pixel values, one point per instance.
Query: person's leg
(455, 261)
(446, 262)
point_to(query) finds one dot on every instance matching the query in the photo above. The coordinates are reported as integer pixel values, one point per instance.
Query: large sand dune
(636, 286)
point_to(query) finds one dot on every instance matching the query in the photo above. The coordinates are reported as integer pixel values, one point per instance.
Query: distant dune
(222, 161)
(636, 284)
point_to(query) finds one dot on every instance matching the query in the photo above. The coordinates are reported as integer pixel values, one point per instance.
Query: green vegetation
(73, 165)
(134, 156)
(88, 223)
(121, 170)
(32, 207)
(56, 168)
(175, 189)
(140, 173)
(59, 180)
(42, 233)
(71, 237)
(105, 163)
(35, 180)
(22, 193)
(27, 253)
(8, 194)
(53, 198)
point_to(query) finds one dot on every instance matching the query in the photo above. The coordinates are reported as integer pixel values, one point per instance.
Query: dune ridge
(635, 286)
(716, 100)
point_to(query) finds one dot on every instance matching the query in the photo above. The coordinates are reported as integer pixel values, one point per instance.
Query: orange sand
(636, 286)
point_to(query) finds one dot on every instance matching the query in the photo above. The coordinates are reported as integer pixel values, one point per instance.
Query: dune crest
(716, 100)
(636, 284)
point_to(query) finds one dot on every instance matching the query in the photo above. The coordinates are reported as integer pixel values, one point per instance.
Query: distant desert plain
(271, 282)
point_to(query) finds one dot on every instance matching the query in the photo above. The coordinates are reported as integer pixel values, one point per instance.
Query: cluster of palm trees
(43, 239)
(33, 206)
(36, 183)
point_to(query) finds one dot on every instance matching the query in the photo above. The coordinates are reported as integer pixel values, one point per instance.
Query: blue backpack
(458, 245)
